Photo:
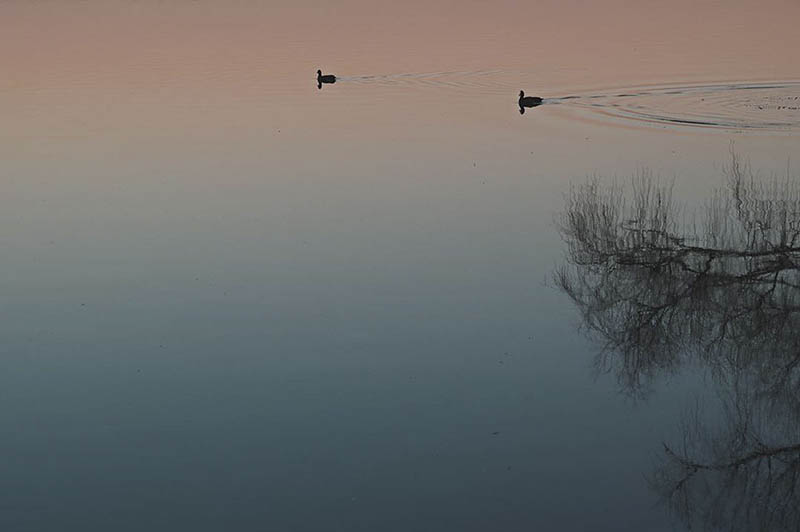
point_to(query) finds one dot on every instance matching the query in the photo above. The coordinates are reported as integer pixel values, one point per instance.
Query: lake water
(234, 300)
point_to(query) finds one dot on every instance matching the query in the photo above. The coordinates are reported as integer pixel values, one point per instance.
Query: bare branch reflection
(742, 474)
(658, 287)
(662, 289)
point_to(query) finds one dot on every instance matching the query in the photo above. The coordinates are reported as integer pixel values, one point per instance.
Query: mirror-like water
(233, 298)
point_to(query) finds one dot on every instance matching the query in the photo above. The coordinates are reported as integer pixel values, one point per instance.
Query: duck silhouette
(328, 78)
(528, 101)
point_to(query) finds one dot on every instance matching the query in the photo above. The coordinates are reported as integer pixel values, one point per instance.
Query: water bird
(528, 101)
(327, 78)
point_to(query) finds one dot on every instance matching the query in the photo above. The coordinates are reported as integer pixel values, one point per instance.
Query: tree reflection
(661, 289)
(740, 475)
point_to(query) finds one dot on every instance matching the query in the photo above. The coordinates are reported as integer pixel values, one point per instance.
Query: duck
(328, 78)
(528, 101)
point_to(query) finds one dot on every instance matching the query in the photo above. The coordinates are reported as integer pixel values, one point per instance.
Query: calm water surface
(232, 300)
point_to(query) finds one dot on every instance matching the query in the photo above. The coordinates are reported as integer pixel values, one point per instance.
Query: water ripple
(745, 105)
(481, 81)
(772, 106)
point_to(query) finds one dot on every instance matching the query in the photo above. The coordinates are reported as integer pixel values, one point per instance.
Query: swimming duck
(528, 101)
(328, 78)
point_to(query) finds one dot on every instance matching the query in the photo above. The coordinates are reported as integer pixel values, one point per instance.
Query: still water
(234, 300)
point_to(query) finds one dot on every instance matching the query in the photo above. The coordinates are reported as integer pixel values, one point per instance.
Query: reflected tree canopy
(662, 289)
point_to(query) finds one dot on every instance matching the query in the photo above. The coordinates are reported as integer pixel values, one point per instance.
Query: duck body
(328, 78)
(529, 101)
